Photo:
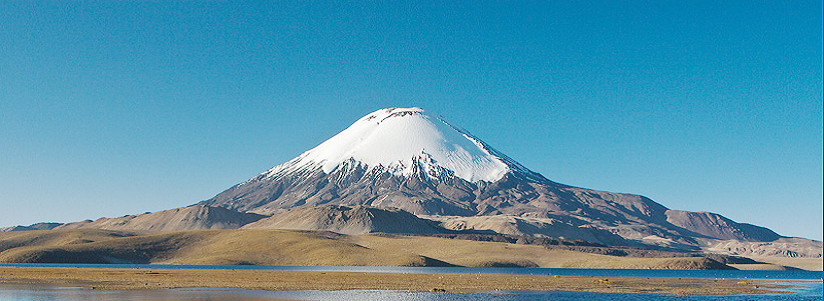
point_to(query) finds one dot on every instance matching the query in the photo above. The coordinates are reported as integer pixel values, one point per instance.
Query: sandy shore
(124, 279)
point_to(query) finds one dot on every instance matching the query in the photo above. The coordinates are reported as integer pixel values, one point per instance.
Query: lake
(707, 274)
(805, 290)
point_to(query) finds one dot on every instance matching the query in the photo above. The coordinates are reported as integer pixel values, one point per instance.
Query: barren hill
(359, 219)
(289, 247)
(196, 217)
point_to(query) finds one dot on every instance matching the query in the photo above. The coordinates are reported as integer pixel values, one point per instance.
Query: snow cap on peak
(400, 138)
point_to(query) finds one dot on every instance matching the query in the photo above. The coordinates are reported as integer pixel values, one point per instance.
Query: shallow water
(806, 291)
(28, 292)
(809, 291)
(710, 274)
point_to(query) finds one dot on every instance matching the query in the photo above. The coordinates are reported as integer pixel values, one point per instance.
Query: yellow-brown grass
(810, 264)
(300, 280)
(490, 254)
(291, 247)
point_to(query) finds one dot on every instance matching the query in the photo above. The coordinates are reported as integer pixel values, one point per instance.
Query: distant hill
(196, 217)
(37, 226)
(716, 226)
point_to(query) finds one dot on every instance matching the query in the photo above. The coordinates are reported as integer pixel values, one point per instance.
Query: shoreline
(136, 279)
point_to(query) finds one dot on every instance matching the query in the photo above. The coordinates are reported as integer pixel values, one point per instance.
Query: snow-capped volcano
(404, 141)
(416, 161)
(405, 170)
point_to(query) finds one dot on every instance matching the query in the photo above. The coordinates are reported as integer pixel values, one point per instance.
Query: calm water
(804, 291)
(807, 292)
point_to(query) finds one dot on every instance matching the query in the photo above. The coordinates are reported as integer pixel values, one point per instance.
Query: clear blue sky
(120, 107)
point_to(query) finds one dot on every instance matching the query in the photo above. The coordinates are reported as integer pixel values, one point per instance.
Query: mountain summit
(407, 141)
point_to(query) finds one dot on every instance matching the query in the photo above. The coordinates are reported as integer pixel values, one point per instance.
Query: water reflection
(807, 292)
(33, 292)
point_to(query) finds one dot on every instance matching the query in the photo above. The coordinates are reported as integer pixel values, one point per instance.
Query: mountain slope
(284, 247)
(717, 226)
(197, 217)
(273, 247)
(45, 238)
(348, 220)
